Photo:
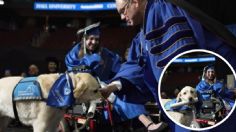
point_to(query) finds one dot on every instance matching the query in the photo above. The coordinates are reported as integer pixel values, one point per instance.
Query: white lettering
(41, 6)
(62, 6)
(111, 6)
(95, 6)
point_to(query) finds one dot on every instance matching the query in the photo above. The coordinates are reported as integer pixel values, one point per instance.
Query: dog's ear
(79, 88)
(178, 98)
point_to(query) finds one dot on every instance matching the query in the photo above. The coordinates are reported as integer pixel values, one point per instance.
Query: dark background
(28, 36)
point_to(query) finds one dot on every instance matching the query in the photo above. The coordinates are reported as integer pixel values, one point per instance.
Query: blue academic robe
(167, 31)
(109, 66)
(170, 30)
(131, 76)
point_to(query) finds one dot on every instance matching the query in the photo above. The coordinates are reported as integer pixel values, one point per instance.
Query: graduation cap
(209, 67)
(93, 29)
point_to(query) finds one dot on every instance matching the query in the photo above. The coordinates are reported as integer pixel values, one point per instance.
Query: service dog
(187, 94)
(43, 118)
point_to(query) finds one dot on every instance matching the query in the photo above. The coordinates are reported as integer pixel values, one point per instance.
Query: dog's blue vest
(27, 89)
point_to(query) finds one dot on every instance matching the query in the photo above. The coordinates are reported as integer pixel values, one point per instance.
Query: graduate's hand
(106, 91)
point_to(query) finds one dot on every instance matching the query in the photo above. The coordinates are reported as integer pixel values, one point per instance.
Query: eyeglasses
(125, 7)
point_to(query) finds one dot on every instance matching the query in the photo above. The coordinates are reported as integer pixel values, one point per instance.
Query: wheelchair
(76, 119)
(211, 112)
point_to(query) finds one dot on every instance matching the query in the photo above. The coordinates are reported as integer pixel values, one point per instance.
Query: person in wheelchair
(213, 96)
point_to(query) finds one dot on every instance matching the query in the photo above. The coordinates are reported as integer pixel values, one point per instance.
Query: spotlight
(1, 2)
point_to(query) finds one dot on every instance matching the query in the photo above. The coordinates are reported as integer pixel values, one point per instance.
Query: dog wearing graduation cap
(43, 108)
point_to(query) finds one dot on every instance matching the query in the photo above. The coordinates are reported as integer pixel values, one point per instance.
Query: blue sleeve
(108, 66)
(72, 58)
(130, 70)
(168, 31)
(116, 63)
(113, 58)
(131, 76)
(202, 85)
(134, 89)
(134, 50)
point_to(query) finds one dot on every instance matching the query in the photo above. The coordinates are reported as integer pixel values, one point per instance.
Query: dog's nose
(190, 99)
(95, 91)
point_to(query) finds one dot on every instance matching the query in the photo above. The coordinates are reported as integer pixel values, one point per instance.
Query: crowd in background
(52, 65)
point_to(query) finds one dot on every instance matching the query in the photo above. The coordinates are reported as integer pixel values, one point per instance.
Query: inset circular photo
(197, 90)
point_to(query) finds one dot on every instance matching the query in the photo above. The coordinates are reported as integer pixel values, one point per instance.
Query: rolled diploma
(175, 105)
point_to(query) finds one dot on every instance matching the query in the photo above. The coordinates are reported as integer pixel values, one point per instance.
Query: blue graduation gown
(108, 67)
(217, 89)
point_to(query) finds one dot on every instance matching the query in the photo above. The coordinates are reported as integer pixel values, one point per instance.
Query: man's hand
(106, 91)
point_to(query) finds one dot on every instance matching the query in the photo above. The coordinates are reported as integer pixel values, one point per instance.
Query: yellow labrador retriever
(43, 118)
(187, 95)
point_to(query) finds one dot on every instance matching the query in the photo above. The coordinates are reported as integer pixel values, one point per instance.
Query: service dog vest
(27, 89)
